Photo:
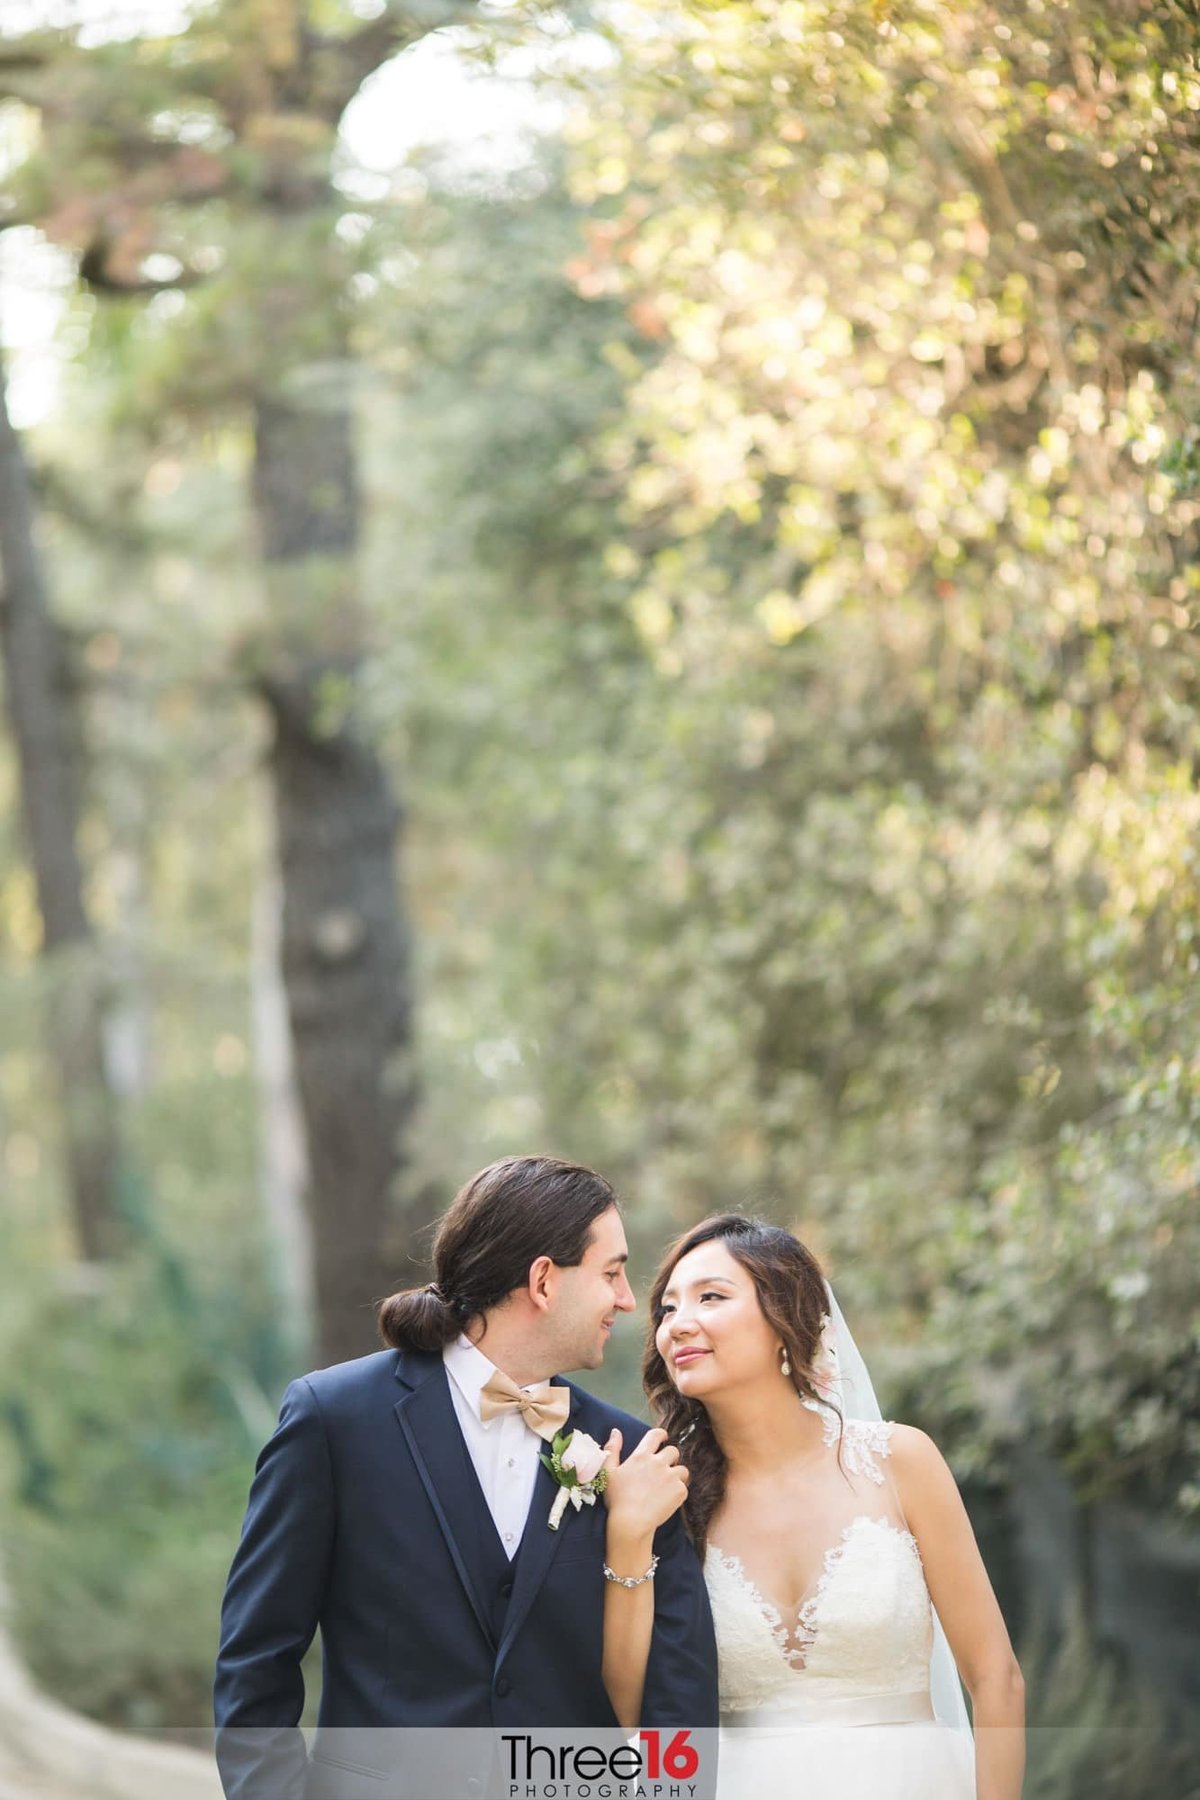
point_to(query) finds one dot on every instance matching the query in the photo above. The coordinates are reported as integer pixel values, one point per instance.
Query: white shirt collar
(469, 1369)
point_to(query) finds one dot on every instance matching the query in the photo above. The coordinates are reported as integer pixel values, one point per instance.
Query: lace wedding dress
(832, 1701)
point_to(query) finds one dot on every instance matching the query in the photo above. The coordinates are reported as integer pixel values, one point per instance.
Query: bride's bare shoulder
(918, 1466)
(910, 1441)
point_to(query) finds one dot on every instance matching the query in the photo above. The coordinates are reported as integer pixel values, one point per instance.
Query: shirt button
(512, 1462)
(508, 1537)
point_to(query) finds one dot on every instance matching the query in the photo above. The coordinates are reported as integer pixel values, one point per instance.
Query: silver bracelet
(632, 1580)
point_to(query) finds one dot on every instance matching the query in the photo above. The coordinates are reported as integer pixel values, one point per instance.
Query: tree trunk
(38, 707)
(283, 1171)
(345, 950)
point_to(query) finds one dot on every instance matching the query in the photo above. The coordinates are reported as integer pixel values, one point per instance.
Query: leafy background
(777, 578)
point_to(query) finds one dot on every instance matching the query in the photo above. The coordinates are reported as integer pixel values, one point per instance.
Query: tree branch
(95, 274)
(30, 57)
(32, 52)
(340, 65)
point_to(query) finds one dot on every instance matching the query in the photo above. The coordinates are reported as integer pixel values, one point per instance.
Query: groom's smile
(593, 1292)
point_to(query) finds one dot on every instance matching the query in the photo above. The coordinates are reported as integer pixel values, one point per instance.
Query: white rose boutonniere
(576, 1462)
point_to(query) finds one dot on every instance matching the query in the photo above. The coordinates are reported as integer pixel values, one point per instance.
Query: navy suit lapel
(538, 1543)
(427, 1419)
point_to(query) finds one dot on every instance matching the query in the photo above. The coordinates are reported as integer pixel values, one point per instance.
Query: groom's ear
(542, 1283)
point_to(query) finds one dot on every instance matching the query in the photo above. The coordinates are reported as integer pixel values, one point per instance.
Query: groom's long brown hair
(791, 1292)
(498, 1223)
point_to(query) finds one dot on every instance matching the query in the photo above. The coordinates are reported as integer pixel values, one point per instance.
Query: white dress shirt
(504, 1450)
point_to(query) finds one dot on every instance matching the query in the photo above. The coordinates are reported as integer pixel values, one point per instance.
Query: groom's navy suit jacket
(366, 1518)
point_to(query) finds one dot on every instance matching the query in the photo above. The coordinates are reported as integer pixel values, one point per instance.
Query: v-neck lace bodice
(864, 1629)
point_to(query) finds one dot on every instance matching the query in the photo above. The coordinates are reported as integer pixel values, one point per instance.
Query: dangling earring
(785, 1367)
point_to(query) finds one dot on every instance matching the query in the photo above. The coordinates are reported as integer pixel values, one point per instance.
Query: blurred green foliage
(1097, 1730)
(782, 550)
(134, 1404)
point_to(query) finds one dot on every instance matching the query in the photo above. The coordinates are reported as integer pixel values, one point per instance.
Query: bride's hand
(643, 1491)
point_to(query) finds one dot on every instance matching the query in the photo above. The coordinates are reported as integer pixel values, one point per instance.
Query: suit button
(503, 1686)
(505, 1589)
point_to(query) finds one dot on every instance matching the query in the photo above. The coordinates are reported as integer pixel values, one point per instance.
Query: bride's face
(711, 1333)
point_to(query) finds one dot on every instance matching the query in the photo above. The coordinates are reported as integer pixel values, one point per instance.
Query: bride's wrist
(627, 1544)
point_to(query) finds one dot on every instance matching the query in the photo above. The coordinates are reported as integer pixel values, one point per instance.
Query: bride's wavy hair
(792, 1295)
(498, 1223)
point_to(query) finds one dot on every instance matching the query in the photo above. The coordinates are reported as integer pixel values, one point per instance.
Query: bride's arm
(642, 1493)
(970, 1613)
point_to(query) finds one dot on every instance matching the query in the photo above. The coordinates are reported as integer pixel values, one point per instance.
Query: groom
(402, 1507)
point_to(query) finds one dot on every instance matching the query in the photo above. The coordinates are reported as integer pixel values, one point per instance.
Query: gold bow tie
(544, 1408)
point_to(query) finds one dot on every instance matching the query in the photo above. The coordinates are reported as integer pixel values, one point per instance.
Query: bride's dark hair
(792, 1295)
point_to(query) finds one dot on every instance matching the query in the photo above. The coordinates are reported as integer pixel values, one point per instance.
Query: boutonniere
(576, 1462)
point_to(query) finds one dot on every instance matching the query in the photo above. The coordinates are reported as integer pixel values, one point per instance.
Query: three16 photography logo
(654, 1765)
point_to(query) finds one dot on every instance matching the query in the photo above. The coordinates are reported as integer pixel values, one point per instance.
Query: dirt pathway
(50, 1753)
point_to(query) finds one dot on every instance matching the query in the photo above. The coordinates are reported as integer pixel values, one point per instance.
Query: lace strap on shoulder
(865, 1442)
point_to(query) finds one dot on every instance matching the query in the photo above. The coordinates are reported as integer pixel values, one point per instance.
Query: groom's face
(590, 1295)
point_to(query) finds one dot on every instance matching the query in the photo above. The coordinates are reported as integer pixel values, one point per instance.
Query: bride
(827, 1540)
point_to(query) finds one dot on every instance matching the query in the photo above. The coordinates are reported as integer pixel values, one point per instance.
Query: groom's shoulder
(345, 1383)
